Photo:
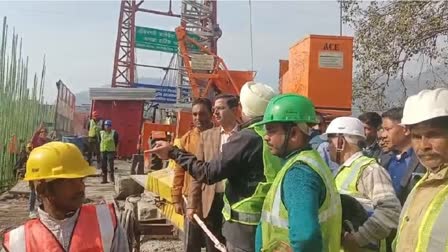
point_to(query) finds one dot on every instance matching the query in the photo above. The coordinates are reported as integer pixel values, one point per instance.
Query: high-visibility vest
(274, 220)
(93, 231)
(248, 211)
(347, 180)
(107, 141)
(93, 128)
(433, 231)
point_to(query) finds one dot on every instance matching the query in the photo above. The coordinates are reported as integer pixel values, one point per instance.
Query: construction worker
(94, 129)
(57, 170)
(202, 120)
(207, 200)
(372, 123)
(364, 179)
(108, 149)
(246, 163)
(39, 138)
(401, 161)
(302, 210)
(423, 221)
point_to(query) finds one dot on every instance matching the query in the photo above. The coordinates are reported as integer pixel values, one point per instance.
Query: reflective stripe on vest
(93, 128)
(433, 231)
(274, 219)
(347, 178)
(107, 141)
(346, 182)
(94, 221)
(274, 216)
(248, 211)
(16, 240)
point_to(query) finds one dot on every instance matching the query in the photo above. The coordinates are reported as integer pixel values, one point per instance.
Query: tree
(390, 36)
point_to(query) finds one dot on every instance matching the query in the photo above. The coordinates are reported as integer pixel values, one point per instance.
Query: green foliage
(388, 36)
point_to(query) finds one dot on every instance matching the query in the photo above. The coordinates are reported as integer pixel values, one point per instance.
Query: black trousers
(194, 238)
(239, 237)
(94, 149)
(107, 157)
(214, 220)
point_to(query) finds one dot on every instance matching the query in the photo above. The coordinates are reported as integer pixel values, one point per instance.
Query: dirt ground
(13, 211)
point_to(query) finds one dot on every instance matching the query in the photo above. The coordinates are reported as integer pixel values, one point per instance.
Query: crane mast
(199, 19)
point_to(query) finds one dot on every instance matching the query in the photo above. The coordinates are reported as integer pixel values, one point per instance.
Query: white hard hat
(347, 126)
(427, 104)
(254, 98)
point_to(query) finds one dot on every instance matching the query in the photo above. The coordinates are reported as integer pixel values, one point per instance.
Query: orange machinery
(157, 131)
(218, 78)
(320, 67)
(205, 83)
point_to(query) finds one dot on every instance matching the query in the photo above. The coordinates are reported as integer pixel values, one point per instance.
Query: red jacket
(93, 232)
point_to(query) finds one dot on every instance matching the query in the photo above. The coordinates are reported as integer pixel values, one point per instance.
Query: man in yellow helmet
(424, 220)
(57, 171)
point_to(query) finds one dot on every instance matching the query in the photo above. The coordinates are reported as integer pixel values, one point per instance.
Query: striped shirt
(379, 199)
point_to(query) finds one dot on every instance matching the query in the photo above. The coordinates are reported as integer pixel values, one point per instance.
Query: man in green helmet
(302, 209)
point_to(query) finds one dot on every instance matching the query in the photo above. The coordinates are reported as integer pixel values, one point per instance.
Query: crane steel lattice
(198, 17)
(123, 74)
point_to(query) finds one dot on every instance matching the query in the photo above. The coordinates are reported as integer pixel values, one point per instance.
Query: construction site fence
(22, 106)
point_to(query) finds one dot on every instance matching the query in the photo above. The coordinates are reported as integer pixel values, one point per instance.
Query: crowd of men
(286, 173)
(279, 180)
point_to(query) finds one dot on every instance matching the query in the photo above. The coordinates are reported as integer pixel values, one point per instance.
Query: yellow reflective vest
(274, 219)
(347, 180)
(248, 211)
(433, 231)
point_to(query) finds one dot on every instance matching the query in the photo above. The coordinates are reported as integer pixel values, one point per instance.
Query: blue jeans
(32, 200)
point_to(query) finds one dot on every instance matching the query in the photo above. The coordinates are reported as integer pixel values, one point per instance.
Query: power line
(251, 37)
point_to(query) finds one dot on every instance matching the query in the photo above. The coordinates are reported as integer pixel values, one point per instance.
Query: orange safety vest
(93, 232)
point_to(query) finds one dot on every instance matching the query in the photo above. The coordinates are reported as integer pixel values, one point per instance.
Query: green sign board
(159, 40)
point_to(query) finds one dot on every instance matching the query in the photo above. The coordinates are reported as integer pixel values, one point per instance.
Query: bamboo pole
(22, 109)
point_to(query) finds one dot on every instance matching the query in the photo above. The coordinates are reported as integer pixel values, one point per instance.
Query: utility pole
(340, 17)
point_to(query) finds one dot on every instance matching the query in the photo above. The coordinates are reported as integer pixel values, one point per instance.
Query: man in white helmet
(246, 163)
(424, 219)
(364, 179)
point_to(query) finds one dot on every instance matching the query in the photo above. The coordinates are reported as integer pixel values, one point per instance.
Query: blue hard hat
(108, 122)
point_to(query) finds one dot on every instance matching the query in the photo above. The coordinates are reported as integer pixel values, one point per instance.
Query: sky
(78, 37)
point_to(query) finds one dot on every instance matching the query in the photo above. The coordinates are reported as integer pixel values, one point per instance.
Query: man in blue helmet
(108, 148)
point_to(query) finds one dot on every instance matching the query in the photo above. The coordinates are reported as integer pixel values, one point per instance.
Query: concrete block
(146, 210)
(125, 186)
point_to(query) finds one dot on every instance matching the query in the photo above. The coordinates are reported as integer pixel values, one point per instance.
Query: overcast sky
(78, 38)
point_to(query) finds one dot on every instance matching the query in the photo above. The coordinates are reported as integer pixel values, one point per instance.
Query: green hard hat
(289, 108)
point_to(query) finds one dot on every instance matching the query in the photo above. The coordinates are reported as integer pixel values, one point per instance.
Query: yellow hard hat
(57, 160)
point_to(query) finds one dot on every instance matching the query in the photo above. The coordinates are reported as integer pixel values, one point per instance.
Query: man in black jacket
(241, 162)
